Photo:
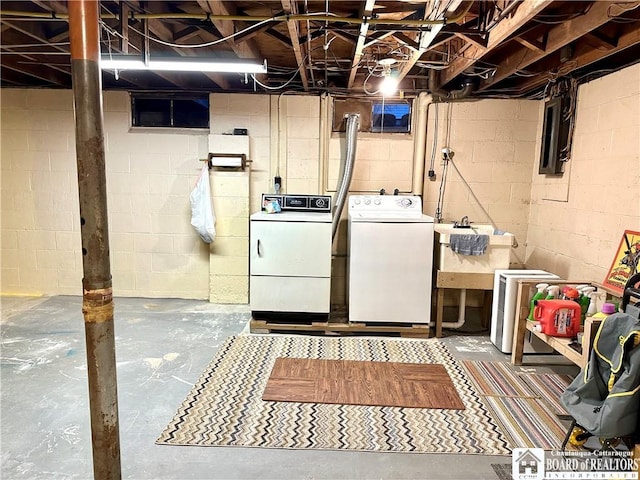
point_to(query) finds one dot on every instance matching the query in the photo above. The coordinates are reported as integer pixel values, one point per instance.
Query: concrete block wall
(229, 259)
(300, 140)
(154, 250)
(253, 112)
(383, 160)
(284, 135)
(577, 220)
(494, 144)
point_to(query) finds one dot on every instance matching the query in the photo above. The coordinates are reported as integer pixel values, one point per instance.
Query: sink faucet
(464, 222)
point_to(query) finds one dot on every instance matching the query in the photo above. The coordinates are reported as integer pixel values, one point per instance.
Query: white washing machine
(390, 259)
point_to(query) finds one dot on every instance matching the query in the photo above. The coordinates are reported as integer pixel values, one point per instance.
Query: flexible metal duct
(353, 123)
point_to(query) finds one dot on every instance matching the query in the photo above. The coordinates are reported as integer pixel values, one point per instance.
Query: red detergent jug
(558, 318)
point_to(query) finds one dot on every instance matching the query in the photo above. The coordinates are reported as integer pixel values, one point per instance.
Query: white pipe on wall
(419, 159)
(325, 137)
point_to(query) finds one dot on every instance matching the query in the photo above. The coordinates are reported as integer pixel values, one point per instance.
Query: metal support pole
(97, 301)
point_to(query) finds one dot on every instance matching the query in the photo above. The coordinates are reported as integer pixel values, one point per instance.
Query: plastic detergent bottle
(558, 318)
(539, 295)
(552, 292)
(606, 310)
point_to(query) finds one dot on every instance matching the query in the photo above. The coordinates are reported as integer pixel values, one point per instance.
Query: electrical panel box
(555, 136)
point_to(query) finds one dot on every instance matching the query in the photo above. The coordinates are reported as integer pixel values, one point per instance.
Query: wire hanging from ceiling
(220, 40)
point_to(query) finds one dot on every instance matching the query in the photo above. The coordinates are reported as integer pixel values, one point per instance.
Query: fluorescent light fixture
(194, 64)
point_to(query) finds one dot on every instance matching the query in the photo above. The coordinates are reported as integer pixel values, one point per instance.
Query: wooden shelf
(559, 344)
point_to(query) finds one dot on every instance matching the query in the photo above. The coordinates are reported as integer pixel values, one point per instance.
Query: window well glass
(391, 117)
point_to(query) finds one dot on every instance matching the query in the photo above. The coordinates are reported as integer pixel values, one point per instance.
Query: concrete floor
(162, 347)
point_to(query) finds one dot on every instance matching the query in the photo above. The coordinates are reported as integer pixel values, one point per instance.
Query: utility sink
(496, 257)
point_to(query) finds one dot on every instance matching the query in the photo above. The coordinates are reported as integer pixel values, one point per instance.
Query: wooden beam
(123, 40)
(531, 44)
(41, 72)
(310, 36)
(186, 34)
(376, 37)
(51, 6)
(59, 37)
(407, 41)
(600, 40)
(290, 8)
(163, 32)
(247, 49)
(159, 29)
(629, 39)
(11, 78)
(279, 36)
(507, 27)
(243, 37)
(426, 38)
(479, 42)
(347, 37)
(365, 11)
(558, 37)
(35, 32)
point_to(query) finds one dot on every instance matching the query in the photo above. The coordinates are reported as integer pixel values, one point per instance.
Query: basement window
(170, 111)
(375, 115)
(391, 117)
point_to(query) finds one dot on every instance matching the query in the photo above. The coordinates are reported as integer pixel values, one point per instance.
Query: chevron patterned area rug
(225, 408)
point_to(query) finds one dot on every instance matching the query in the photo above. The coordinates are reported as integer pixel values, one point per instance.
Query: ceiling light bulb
(388, 86)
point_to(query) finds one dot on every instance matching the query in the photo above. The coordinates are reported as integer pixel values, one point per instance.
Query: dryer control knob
(377, 201)
(406, 202)
(367, 201)
(356, 201)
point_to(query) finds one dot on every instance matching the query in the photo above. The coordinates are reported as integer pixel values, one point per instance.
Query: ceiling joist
(627, 40)
(366, 11)
(502, 31)
(513, 46)
(558, 37)
(290, 8)
(539, 46)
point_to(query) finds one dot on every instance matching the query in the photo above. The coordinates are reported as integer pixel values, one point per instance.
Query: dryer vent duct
(353, 123)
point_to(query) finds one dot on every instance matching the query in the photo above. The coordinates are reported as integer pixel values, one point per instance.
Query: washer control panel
(406, 204)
